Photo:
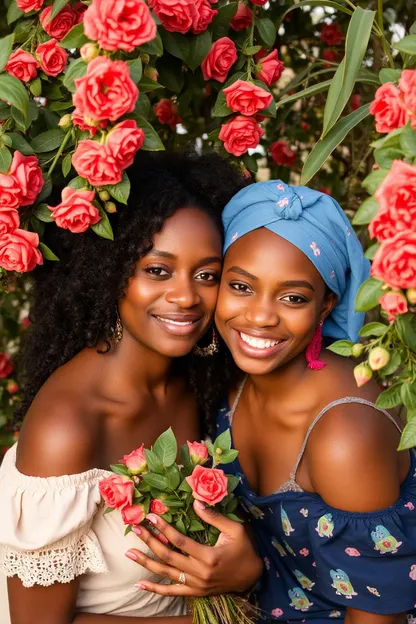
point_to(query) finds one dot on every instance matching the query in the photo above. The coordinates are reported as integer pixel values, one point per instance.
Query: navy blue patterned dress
(320, 560)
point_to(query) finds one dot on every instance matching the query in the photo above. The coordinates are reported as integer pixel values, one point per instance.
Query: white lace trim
(54, 565)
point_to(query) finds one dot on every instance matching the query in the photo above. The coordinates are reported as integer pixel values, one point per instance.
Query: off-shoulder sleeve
(45, 525)
(367, 561)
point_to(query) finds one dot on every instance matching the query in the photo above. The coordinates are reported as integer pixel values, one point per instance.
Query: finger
(185, 544)
(163, 552)
(168, 590)
(213, 517)
(156, 567)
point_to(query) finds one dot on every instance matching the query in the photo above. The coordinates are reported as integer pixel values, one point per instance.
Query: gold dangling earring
(118, 331)
(211, 349)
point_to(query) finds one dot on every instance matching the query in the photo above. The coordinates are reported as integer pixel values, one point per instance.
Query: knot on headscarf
(316, 224)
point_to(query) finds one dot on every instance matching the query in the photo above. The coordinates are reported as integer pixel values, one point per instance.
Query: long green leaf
(6, 45)
(13, 91)
(58, 5)
(313, 3)
(317, 88)
(13, 12)
(324, 148)
(343, 83)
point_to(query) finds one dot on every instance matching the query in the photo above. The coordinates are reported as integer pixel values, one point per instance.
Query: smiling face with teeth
(270, 302)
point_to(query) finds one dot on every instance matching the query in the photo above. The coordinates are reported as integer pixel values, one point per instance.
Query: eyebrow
(293, 283)
(240, 271)
(166, 254)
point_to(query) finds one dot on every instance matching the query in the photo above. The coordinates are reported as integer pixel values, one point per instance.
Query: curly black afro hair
(75, 299)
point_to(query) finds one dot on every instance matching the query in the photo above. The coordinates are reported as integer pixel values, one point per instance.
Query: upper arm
(49, 605)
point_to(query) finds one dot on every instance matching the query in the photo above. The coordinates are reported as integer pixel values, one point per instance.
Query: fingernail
(137, 530)
(131, 555)
(140, 586)
(152, 518)
(200, 505)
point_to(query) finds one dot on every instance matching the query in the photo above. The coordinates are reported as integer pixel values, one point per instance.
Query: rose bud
(12, 387)
(152, 73)
(135, 461)
(357, 350)
(117, 491)
(110, 207)
(104, 195)
(157, 507)
(198, 452)
(89, 51)
(362, 374)
(393, 302)
(378, 357)
(411, 295)
(133, 514)
(65, 121)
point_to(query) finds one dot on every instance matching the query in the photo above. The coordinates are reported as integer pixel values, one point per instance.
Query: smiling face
(271, 299)
(170, 299)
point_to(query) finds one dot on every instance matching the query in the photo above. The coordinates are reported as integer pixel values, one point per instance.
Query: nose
(183, 293)
(262, 314)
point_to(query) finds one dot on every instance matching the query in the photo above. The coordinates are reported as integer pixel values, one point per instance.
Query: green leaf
(325, 146)
(366, 212)
(121, 191)
(341, 347)
(75, 38)
(13, 12)
(390, 140)
(371, 251)
(48, 141)
(343, 83)
(235, 518)
(103, 227)
(174, 477)
(76, 69)
(78, 183)
(373, 180)
(66, 165)
(373, 329)
(313, 90)
(223, 441)
(384, 157)
(176, 44)
(408, 141)
(120, 469)
(408, 393)
(6, 45)
(408, 439)
(136, 69)
(13, 91)
(43, 213)
(407, 45)
(220, 107)
(185, 456)
(227, 457)
(58, 5)
(36, 87)
(233, 482)
(368, 294)
(147, 84)
(199, 47)
(159, 482)
(143, 106)
(166, 448)
(387, 74)
(47, 253)
(152, 141)
(195, 526)
(390, 397)
(225, 15)
(5, 159)
(37, 226)
(171, 74)
(153, 462)
(392, 365)
(154, 47)
(128, 530)
(406, 328)
(184, 487)
(45, 192)
(267, 31)
(180, 527)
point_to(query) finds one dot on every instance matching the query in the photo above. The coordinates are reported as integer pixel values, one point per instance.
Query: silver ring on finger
(182, 578)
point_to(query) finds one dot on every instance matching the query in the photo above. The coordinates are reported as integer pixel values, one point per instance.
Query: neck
(282, 381)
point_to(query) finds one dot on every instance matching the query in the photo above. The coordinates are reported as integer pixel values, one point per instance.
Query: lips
(178, 324)
(257, 345)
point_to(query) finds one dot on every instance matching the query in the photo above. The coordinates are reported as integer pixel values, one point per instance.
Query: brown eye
(156, 271)
(207, 277)
(240, 287)
(296, 299)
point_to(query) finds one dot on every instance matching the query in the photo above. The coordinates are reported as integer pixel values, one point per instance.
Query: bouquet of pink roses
(151, 481)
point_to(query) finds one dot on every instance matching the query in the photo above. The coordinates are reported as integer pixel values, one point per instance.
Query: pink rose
(78, 120)
(175, 15)
(259, 2)
(167, 113)
(22, 65)
(388, 108)
(219, 59)
(26, 172)
(157, 507)
(362, 374)
(202, 17)
(198, 452)
(393, 303)
(124, 141)
(331, 34)
(412, 572)
(52, 58)
(282, 154)
(9, 220)
(119, 24)
(240, 134)
(395, 261)
(117, 491)
(246, 97)
(12, 387)
(269, 68)
(135, 461)
(60, 25)
(397, 198)
(276, 612)
(243, 17)
(353, 552)
(133, 514)
(209, 485)
(29, 5)
(10, 192)
(76, 212)
(6, 366)
(19, 251)
(106, 92)
(96, 163)
(407, 84)
(304, 552)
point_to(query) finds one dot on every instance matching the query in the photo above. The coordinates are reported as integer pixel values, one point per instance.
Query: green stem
(379, 29)
(380, 14)
(250, 43)
(59, 153)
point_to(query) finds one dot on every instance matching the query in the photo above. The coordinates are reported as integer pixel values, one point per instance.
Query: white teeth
(181, 323)
(258, 343)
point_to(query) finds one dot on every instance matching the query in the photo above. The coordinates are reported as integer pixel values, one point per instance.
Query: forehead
(189, 229)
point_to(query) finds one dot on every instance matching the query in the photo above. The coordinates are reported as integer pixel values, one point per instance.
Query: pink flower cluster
(49, 57)
(19, 187)
(183, 16)
(167, 113)
(393, 106)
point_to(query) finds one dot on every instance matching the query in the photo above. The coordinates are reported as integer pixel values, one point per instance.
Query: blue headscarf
(315, 223)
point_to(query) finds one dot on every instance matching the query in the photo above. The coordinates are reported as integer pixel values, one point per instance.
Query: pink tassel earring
(313, 350)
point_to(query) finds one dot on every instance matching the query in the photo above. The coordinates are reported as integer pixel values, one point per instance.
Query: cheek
(140, 293)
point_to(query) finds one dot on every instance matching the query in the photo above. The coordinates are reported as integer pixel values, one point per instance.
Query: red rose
(117, 491)
(243, 17)
(219, 59)
(135, 461)
(305, 126)
(202, 17)
(175, 15)
(6, 366)
(29, 5)
(119, 24)
(19, 251)
(9, 220)
(79, 9)
(22, 65)
(157, 507)
(246, 97)
(282, 154)
(330, 56)
(52, 58)
(26, 172)
(106, 92)
(78, 120)
(167, 113)
(355, 101)
(10, 192)
(209, 485)
(397, 198)
(395, 261)
(269, 68)
(76, 212)
(240, 134)
(407, 84)
(60, 25)
(388, 108)
(393, 303)
(324, 189)
(124, 141)
(96, 163)
(331, 34)
(133, 514)
(259, 2)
